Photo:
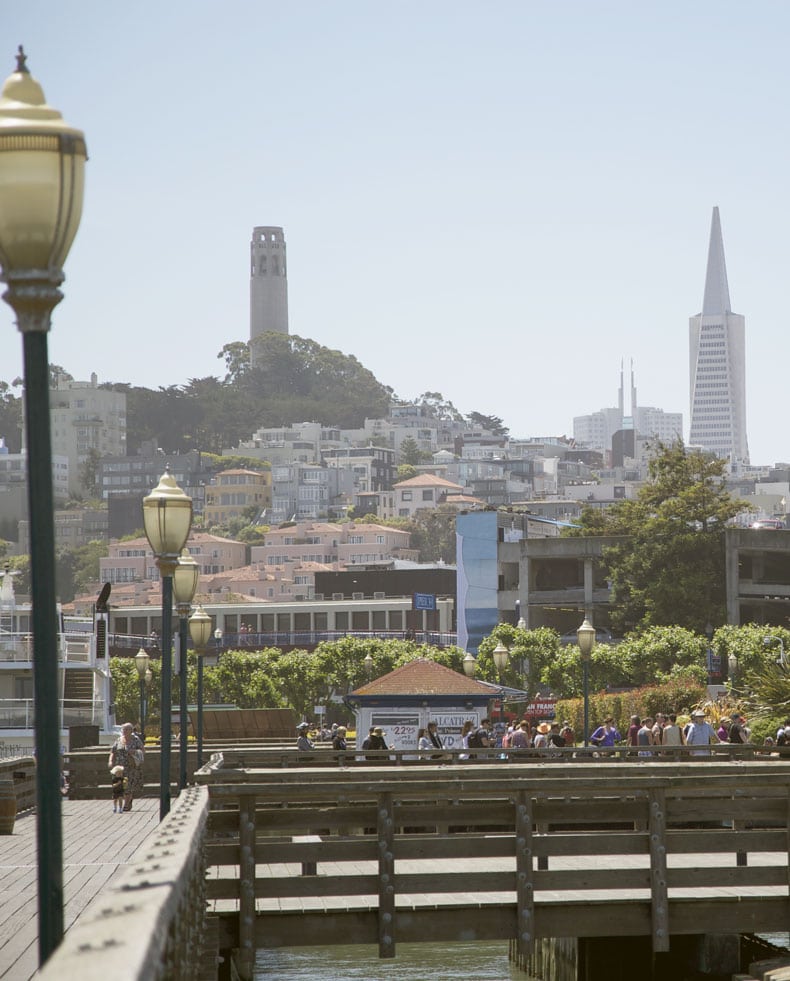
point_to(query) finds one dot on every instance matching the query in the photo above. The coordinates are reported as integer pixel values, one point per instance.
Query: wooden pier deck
(96, 845)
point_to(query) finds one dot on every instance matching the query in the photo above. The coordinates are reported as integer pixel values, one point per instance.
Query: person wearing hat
(376, 741)
(541, 740)
(303, 742)
(700, 733)
(737, 733)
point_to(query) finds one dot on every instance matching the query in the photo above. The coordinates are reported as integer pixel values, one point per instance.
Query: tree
(669, 567)
(89, 472)
(433, 533)
(436, 406)
(493, 424)
(406, 471)
(237, 360)
(410, 453)
(10, 418)
(531, 653)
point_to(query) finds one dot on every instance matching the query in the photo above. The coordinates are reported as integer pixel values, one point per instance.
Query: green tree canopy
(669, 567)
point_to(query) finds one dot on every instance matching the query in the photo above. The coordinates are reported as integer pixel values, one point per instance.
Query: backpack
(475, 740)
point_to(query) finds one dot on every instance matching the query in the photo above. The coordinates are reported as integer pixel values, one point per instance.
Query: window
(427, 495)
(405, 495)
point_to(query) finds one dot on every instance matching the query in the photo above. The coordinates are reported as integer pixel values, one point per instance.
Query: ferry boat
(83, 674)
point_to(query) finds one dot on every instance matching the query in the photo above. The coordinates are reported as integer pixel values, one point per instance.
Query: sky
(499, 202)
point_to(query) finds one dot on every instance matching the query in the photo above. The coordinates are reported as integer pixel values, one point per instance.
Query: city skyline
(496, 204)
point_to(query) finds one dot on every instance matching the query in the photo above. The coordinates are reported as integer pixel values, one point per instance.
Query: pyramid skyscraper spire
(717, 363)
(717, 290)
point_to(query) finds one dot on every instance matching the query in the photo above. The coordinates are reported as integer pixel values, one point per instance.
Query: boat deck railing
(18, 648)
(19, 713)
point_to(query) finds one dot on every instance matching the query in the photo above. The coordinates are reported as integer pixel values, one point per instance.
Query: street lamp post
(185, 583)
(200, 632)
(167, 518)
(218, 639)
(141, 661)
(585, 636)
(767, 641)
(500, 662)
(368, 662)
(470, 665)
(42, 171)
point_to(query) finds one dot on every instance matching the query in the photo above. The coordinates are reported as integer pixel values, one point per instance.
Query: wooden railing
(149, 924)
(381, 856)
(22, 770)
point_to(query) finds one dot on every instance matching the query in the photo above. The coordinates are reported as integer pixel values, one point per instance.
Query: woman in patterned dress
(127, 751)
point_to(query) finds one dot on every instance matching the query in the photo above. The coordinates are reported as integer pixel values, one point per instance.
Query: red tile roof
(424, 677)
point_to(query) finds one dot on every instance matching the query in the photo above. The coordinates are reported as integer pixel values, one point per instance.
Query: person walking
(672, 733)
(466, 728)
(303, 742)
(606, 734)
(118, 785)
(700, 733)
(645, 736)
(128, 751)
(738, 733)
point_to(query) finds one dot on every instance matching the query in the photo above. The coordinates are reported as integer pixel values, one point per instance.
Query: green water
(414, 962)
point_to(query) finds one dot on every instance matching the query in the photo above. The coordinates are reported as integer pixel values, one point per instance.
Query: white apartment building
(86, 418)
(421, 492)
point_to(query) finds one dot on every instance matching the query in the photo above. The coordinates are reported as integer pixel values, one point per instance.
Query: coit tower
(268, 283)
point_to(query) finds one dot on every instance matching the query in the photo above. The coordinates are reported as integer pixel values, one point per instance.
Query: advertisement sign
(400, 728)
(449, 725)
(541, 708)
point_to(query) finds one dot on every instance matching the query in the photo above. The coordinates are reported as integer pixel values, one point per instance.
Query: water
(414, 962)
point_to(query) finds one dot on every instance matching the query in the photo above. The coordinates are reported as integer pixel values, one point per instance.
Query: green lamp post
(42, 172)
(185, 583)
(167, 518)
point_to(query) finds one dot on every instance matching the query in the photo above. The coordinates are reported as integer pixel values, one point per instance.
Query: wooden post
(659, 906)
(386, 841)
(246, 956)
(525, 890)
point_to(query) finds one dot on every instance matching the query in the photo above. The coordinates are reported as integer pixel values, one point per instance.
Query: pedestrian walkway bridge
(381, 856)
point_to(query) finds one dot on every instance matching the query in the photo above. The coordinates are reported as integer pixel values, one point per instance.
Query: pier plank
(96, 845)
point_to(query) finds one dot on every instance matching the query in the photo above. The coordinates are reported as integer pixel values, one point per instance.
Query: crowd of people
(643, 733)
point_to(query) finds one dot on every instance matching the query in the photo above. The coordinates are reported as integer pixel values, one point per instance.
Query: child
(118, 789)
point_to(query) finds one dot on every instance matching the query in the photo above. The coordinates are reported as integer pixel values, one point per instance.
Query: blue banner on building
(424, 601)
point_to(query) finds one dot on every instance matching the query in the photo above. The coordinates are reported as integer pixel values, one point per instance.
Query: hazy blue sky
(496, 201)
